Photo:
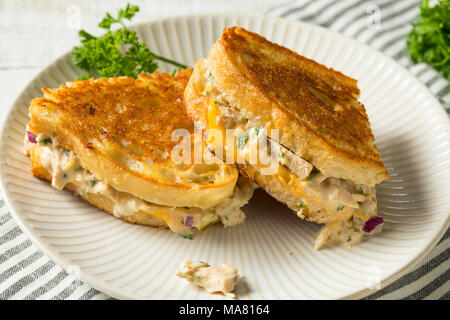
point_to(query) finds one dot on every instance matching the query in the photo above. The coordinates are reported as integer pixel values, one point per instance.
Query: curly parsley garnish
(429, 39)
(116, 53)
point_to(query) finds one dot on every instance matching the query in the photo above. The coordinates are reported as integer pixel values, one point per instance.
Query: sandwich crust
(121, 129)
(315, 108)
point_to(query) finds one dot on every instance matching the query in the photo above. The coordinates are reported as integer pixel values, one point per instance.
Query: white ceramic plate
(129, 261)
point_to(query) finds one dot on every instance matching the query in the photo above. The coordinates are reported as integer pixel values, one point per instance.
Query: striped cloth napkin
(26, 273)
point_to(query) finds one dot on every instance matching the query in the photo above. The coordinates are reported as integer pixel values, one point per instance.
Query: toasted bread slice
(315, 108)
(121, 130)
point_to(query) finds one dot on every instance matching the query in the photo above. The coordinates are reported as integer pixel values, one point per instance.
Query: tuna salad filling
(214, 279)
(65, 167)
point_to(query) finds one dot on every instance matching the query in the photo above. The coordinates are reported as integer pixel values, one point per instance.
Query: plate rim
(105, 287)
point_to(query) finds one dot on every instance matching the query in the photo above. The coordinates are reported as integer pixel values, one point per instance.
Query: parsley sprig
(116, 53)
(429, 39)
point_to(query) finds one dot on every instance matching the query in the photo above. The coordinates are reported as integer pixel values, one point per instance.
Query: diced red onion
(372, 223)
(188, 221)
(31, 137)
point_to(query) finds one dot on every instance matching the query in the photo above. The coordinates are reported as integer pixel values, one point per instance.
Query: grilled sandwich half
(328, 164)
(110, 142)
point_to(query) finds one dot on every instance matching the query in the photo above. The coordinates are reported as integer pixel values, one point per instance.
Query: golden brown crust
(121, 129)
(98, 200)
(113, 108)
(315, 108)
(141, 110)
